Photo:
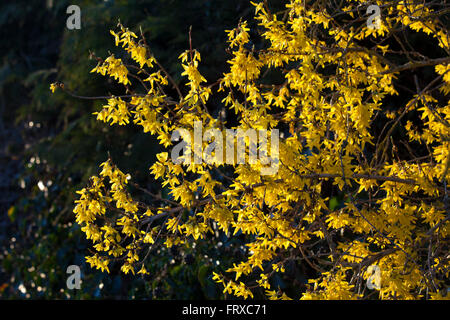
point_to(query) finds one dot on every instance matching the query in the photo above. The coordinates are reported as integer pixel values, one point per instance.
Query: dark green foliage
(57, 144)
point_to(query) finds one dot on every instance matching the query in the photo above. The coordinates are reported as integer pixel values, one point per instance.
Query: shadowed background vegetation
(51, 144)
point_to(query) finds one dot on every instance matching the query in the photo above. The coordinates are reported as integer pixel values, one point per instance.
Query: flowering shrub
(387, 168)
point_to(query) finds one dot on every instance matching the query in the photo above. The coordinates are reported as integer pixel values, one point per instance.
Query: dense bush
(359, 189)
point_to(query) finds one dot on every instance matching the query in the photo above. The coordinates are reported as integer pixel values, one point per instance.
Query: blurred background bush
(51, 144)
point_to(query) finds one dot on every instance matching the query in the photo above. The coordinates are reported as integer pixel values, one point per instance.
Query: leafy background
(51, 144)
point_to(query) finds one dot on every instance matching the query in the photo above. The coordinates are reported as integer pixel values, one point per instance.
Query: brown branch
(415, 65)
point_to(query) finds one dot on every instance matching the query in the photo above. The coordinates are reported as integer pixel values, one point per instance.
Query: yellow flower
(53, 87)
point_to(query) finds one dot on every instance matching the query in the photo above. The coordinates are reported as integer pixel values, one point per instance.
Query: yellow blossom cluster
(119, 238)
